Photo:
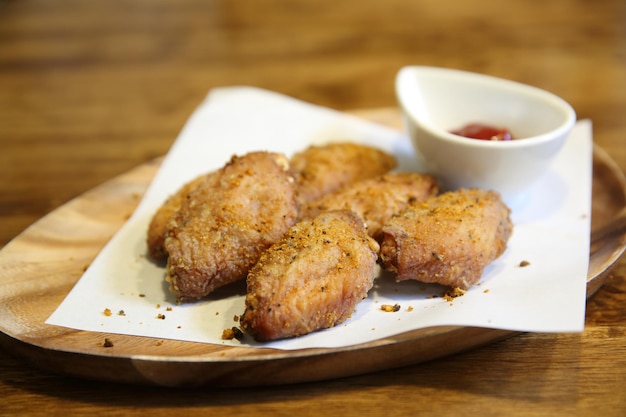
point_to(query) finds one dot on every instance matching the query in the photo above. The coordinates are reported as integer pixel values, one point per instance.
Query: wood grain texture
(90, 90)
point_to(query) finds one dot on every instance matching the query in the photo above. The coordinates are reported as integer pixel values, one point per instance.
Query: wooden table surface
(91, 89)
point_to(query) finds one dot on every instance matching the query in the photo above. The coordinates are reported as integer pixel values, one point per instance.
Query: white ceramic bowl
(437, 100)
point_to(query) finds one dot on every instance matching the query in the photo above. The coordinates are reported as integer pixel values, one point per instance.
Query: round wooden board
(40, 266)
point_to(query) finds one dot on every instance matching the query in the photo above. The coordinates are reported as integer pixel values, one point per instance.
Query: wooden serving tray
(41, 265)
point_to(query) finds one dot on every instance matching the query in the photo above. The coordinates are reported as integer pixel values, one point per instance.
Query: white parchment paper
(551, 233)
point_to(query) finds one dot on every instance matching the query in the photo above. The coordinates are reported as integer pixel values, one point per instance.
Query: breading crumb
(453, 293)
(232, 333)
(523, 264)
(107, 312)
(107, 343)
(390, 308)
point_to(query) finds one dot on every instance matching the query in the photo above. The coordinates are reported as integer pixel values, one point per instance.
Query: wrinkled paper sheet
(551, 233)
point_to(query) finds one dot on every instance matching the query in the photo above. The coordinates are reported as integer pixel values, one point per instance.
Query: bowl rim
(552, 99)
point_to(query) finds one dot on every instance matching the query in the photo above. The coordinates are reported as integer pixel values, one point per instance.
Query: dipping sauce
(483, 132)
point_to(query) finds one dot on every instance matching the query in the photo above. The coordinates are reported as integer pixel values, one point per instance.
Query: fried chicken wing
(319, 170)
(448, 239)
(158, 225)
(227, 221)
(376, 199)
(311, 279)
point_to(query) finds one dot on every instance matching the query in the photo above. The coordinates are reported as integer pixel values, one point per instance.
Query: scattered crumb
(486, 291)
(524, 263)
(107, 343)
(159, 342)
(158, 306)
(236, 318)
(142, 295)
(121, 313)
(107, 312)
(409, 308)
(168, 309)
(161, 316)
(232, 333)
(453, 293)
(217, 313)
(390, 308)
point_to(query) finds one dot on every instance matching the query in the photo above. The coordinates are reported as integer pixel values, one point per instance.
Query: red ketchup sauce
(483, 132)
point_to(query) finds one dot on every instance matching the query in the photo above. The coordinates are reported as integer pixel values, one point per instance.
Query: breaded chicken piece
(448, 239)
(311, 279)
(226, 223)
(375, 200)
(158, 225)
(319, 170)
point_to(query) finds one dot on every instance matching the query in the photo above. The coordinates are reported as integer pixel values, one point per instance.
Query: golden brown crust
(227, 222)
(158, 225)
(311, 279)
(375, 200)
(448, 239)
(319, 170)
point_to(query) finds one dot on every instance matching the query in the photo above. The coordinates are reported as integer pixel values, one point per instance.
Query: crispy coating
(448, 239)
(226, 223)
(319, 170)
(376, 199)
(311, 279)
(158, 225)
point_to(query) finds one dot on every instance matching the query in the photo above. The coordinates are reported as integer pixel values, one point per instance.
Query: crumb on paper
(236, 318)
(107, 312)
(168, 309)
(409, 308)
(390, 308)
(107, 343)
(121, 313)
(161, 316)
(232, 333)
(454, 293)
(486, 291)
(142, 295)
(524, 263)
